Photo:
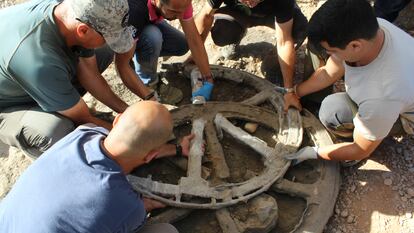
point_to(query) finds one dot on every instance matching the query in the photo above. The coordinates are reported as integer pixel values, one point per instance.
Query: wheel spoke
(196, 150)
(227, 224)
(170, 216)
(221, 169)
(258, 98)
(255, 143)
(293, 188)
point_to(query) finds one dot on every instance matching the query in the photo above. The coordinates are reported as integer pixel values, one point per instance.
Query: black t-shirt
(138, 15)
(281, 9)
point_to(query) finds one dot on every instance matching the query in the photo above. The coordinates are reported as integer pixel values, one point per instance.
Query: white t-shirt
(384, 89)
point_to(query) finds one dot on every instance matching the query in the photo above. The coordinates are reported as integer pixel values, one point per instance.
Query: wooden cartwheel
(260, 202)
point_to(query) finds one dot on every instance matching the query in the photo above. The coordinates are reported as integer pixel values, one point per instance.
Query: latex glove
(204, 91)
(291, 99)
(303, 154)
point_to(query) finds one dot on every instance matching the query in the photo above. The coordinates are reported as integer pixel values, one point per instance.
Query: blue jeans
(389, 9)
(157, 40)
(338, 111)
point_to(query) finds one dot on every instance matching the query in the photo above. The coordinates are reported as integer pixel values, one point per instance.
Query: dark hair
(339, 22)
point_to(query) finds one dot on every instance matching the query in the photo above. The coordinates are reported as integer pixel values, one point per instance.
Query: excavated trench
(241, 183)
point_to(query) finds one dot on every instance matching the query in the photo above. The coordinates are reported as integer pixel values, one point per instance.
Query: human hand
(150, 204)
(303, 154)
(291, 99)
(185, 144)
(204, 91)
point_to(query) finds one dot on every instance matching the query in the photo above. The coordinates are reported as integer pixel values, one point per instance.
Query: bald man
(80, 185)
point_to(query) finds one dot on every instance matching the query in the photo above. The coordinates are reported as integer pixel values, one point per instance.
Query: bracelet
(149, 96)
(178, 150)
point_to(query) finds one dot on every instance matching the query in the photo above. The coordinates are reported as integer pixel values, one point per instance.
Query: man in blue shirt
(80, 184)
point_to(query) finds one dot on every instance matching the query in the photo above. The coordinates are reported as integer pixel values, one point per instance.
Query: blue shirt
(73, 187)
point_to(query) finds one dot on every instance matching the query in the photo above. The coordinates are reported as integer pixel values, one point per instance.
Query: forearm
(94, 83)
(99, 122)
(318, 81)
(286, 57)
(80, 114)
(102, 92)
(197, 48)
(167, 150)
(203, 23)
(343, 151)
(132, 81)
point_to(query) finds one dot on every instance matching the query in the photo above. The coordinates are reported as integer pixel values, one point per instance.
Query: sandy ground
(376, 196)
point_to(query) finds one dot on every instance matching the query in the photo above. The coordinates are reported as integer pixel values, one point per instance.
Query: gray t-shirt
(384, 89)
(36, 66)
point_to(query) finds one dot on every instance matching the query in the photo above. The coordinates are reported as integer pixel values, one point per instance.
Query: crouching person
(80, 184)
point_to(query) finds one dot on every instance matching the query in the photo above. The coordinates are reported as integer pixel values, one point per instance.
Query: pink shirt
(188, 13)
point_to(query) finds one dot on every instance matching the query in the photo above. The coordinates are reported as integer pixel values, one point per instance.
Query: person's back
(33, 52)
(73, 187)
(386, 81)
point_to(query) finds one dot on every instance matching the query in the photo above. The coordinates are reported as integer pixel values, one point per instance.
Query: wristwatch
(289, 90)
(178, 150)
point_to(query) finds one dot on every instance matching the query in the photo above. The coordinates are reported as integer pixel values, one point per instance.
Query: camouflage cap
(109, 18)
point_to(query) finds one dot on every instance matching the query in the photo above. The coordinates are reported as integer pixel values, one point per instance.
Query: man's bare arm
(128, 75)
(322, 77)
(204, 20)
(90, 78)
(196, 45)
(80, 115)
(361, 148)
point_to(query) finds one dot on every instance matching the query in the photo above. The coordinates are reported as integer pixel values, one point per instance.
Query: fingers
(190, 137)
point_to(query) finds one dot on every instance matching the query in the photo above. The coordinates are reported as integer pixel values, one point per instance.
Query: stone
(251, 127)
(399, 150)
(410, 192)
(344, 213)
(388, 182)
(353, 187)
(350, 219)
(407, 155)
(408, 215)
(404, 199)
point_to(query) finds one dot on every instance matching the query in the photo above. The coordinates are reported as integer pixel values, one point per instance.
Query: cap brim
(120, 41)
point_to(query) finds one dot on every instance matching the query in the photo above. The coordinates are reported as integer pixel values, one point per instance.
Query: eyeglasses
(90, 25)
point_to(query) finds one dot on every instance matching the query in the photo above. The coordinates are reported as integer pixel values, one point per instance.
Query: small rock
(408, 215)
(407, 155)
(395, 188)
(353, 187)
(344, 213)
(411, 169)
(404, 199)
(251, 127)
(410, 192)
(388, 182)
(399, 150)
(350, 219)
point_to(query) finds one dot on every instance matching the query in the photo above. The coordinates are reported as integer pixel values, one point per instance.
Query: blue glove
(204, 91)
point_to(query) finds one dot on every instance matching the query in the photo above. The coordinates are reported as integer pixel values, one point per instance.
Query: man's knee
(149, 44)
(336, 112)
(33, 130)
(226, 31)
